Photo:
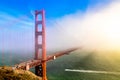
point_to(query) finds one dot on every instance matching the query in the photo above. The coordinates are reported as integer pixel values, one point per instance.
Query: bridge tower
(40, 43)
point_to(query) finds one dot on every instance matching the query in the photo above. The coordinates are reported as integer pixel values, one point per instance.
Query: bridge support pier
(39, 70)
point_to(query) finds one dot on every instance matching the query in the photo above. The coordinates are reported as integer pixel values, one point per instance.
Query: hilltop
(7, 73)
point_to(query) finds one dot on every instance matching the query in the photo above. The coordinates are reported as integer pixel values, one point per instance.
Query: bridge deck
(32, 63)
(28, 64)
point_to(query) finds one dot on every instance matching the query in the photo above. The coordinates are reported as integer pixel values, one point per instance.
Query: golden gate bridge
(40, 48)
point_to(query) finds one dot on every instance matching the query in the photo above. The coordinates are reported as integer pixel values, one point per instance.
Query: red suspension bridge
(40, 62)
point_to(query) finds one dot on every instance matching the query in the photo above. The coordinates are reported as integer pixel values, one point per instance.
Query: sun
(112, 35)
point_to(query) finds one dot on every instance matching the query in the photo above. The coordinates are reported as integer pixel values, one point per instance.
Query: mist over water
(96, 29)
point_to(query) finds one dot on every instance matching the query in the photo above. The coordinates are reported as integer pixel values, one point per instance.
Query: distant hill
(85, 60)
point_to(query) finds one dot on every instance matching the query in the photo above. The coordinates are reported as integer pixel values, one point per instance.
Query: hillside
(7, 73)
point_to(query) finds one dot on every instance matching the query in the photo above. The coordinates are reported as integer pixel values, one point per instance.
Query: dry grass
(7, 73)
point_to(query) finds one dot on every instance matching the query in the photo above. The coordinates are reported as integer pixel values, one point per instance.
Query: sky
(86, 23)
(53, 8)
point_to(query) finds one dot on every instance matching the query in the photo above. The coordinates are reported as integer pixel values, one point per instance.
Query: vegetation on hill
(7, 73)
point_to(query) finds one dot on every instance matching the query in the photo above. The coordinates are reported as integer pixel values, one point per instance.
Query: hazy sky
(92, 24)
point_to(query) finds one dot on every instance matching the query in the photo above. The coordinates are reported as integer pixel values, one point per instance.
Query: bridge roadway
(32, 63)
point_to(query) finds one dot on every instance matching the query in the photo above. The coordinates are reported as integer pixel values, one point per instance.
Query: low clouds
(96, 29)
(16, 33)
